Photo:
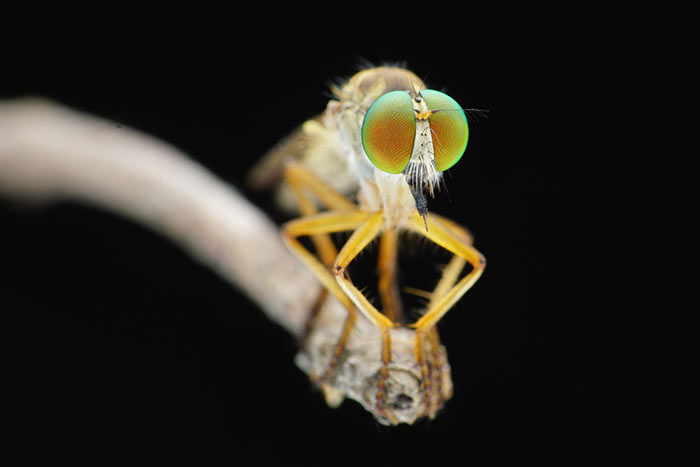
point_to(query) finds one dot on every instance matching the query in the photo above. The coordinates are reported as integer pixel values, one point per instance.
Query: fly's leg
(305, 184)
(301, 182)
(311, 319)
(458, 230)
(387, 270)
(450, 275)
(449, 290)
(301, 178)
(432, 362)
(362, 236)
(324, 223)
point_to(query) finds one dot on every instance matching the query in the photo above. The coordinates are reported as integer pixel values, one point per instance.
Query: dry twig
(51, 153)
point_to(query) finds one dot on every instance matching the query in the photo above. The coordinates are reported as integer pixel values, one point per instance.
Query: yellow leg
(443, 236)
(387, 269)
(355, 244)
(364, 234)
(304, 186)
(310, 322)
(455, 228)
(345, 216)
(303, 178)
(323, 223)
(431, 362)
(449, 277)
(457, 240)
(303, 182)
(299, 180)
(437, 362)
(431, 367)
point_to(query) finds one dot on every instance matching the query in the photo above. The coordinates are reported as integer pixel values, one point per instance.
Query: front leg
(457, 240)
(387, 270)
(307, 187)
(322, 224)
(355, 244)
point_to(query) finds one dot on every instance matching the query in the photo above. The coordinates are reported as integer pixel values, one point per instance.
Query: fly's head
(417, 134)
(395, 125)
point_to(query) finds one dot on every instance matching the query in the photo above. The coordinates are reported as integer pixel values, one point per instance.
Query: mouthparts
(421, 202)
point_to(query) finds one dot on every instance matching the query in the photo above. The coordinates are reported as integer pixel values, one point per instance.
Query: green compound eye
(448, 125)
(389, 130)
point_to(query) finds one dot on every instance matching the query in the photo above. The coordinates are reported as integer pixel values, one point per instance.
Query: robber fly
(383, 141)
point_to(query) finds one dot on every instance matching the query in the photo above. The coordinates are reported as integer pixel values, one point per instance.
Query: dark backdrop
(117, 349)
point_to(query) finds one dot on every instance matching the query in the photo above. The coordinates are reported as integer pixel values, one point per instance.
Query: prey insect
(368, 165)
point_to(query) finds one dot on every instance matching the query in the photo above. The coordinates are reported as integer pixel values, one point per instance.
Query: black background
(117, 349)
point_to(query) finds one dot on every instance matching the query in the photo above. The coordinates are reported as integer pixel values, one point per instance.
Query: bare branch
(48, 153)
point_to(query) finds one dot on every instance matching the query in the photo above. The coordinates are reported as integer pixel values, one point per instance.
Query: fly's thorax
(347, 118)
(368, 85)
(323, 156)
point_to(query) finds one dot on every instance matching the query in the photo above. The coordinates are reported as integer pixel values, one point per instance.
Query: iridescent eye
(389, 130)
(449, 128)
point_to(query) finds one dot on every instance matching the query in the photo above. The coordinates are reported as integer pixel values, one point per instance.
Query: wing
(268, 172)
(317, 145)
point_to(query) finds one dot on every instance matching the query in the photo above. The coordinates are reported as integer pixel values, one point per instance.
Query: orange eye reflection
(389, 130)
(448, 125)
